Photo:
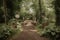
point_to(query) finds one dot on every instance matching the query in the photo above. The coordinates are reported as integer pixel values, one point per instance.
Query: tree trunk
(40, 12)
(5, 10)
(57, 9)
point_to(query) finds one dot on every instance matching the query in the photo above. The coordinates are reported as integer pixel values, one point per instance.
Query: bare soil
(28, 34)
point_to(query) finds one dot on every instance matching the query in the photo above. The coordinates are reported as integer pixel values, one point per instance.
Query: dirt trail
(29, 35)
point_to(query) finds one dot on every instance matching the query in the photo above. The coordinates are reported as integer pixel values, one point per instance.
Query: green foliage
(12, 6)
(49, 9)
(51, 31)
(29, 7)
(6, 32)
(26, 15)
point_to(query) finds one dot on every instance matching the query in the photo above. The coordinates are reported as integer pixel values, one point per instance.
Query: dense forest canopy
(42, 14)
(35, 8)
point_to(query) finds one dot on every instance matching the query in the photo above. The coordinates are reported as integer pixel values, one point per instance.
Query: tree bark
(5, 10)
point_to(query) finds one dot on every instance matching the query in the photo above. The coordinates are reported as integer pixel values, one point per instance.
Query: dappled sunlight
(29, 20)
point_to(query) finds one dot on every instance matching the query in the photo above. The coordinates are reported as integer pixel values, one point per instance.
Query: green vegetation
(6, 32)
(50, 31)
(45, 12)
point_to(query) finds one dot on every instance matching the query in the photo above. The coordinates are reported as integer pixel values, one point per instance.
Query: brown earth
(29, 35)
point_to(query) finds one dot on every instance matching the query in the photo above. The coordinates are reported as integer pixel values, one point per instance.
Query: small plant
(51, 31)
(6, 32)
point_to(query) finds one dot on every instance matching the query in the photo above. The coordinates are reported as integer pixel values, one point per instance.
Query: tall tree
(57, 8)
(5, 10)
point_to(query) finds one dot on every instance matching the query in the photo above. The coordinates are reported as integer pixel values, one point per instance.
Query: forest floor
(29, 34)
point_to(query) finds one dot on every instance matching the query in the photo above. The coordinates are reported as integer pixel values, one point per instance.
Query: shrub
(6, 31)
(51, 31)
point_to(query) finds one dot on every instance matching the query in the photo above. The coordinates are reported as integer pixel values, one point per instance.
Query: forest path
(29, 33)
